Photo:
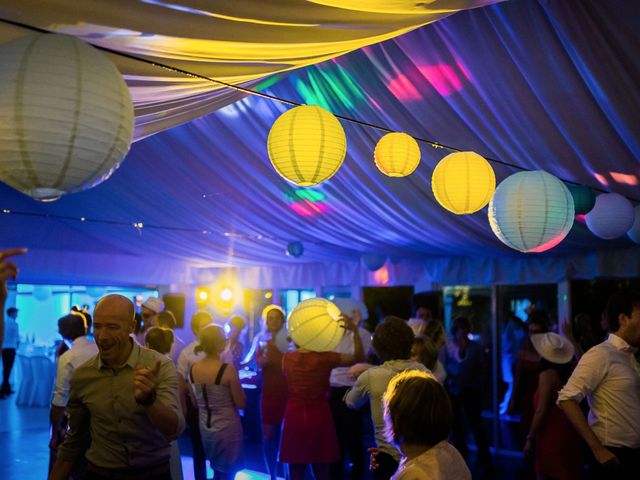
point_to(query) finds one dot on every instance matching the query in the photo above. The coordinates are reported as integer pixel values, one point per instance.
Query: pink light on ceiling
(309, 209)
(601, 179)
(443, 78)
(624, 178)
(403, 89)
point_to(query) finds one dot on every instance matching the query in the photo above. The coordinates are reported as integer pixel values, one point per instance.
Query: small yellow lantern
(463, 182)
(315, 324)
(397, 154)
(307, 145)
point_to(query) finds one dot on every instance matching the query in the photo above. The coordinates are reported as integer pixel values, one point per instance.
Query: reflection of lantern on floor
(611, 217)
(531, 211)
(397, 154)
(66, 117)
(307, 145)
(315, 324)
(463, 182)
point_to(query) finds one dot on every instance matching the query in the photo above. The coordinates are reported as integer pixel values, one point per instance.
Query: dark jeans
(348, 424)
(8, 357)
(628, 468)
(468, 405)
(387, 466)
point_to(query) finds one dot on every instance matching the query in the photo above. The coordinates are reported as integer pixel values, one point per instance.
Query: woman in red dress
(308, 434)
(552, 439)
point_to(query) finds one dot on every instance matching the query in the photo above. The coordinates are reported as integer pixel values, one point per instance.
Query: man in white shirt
(10, 341)
(392, 342)
(72, 328)
(608, 375)
(348, 422)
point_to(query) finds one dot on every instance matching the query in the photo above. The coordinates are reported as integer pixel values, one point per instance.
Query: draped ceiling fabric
(549, 85)
(235, 41)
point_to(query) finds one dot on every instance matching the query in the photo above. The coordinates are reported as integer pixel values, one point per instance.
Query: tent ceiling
(544, 85)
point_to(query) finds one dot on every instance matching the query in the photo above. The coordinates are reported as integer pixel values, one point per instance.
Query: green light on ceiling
(267, 82)
(310, 195)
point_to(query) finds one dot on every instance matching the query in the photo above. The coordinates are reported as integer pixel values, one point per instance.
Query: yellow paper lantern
(307, 145)
(397, 154)
(463, 182)
(66, 117)
(315, 324)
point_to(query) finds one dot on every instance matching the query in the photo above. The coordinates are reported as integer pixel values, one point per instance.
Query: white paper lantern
(315, 324)
(531, 211)
(66, 117)
(611, 217)
(634, 231)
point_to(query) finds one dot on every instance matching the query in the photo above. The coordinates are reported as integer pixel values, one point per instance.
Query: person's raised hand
(145, 382)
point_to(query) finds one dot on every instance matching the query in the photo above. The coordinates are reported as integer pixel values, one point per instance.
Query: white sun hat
(553, 347)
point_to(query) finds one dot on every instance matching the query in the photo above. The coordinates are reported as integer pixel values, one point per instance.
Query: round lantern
(295, 249)
(41, 293)
(315, 324)
(583, 198)
(66, 117)
(531, 211)
(634, 231)
(397, 154)
(611, 217)
(463, 182)
(307, 145)
(374, 261)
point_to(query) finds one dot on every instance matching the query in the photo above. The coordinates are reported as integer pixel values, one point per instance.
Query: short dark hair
(159, 339)
(393, 339)
(539, 317)
(460, 323)
(211, 340)
(199, 320)
(621, 302)
(166, 319)
(417, 410)
(72, 326)
(237, 321)
(12, 310)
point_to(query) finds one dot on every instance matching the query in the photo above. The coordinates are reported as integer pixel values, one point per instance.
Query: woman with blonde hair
(219, 396)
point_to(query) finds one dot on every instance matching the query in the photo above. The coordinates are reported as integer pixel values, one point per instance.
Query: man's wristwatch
(148, 400)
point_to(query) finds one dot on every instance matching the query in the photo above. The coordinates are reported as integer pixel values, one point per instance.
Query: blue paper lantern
(374, 261)
(583, 198)
(531, 211)
(634, 231)
(295, 249)
(611, 217)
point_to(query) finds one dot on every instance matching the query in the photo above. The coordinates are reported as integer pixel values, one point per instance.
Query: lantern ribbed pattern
(583, 198)
(307, 145)
(634, 231)
(531, 211)
(66, 117)
(397, 154)
(315, 324)
(611, 217)
(463, 182)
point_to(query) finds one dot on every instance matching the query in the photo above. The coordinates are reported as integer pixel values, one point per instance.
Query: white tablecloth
(35, 375)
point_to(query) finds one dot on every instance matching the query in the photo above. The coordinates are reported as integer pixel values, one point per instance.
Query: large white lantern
(611, 217)
(66, 117)
(315, 324)
(531, 211)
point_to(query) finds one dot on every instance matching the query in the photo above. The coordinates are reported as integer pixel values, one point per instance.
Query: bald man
(126, 399)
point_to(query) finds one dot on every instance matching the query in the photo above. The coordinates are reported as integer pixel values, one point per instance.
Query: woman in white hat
(552, 439)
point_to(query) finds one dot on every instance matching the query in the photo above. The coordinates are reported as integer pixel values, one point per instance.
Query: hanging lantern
(463, 182)
(307, 145)
(41, 293)
(531, 211)
(315, 324)
(374, 261)
(634, 231)
(583, 198)
(611, 217)
(397, 154)
(66, 117)
(295, 249)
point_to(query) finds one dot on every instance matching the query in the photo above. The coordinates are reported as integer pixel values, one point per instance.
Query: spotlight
(226, 295)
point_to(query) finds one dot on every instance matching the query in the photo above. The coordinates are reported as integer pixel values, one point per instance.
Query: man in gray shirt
(125, 399)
